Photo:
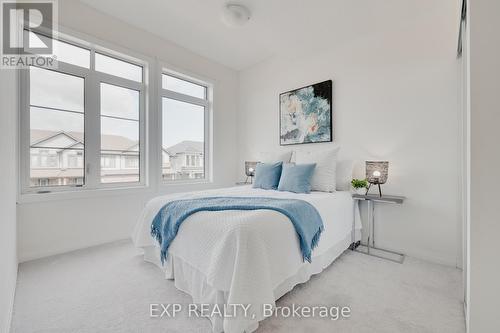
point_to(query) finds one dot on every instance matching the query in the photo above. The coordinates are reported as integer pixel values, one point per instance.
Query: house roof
(185, 147)
(40, 138)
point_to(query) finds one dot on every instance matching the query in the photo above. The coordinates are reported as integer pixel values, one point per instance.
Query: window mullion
(92, 130)
(24, 135)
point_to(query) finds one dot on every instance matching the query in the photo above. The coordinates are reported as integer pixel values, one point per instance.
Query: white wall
(484, 267)
(8, 252)
(395, 98)
(51, 227)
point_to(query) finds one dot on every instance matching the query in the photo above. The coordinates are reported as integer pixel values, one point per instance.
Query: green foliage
(359, 183)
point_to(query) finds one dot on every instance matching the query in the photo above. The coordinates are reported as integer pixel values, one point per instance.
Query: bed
(246, 257)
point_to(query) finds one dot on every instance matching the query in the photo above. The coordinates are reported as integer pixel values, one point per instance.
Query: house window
(75, 159)
(108, 162)
(185, 107)
(131, 162)
(81, 120)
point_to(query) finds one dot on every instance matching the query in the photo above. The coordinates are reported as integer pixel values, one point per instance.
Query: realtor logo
(27, 33)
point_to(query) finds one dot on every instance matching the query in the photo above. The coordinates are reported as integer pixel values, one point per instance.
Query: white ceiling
(277, 27)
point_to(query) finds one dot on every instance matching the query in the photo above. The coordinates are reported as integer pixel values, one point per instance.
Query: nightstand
(370, 247)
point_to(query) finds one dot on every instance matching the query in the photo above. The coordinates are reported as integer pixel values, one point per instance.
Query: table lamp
(250, 170)
(376, 174)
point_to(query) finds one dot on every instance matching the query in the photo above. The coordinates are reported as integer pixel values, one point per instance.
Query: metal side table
(371, 249)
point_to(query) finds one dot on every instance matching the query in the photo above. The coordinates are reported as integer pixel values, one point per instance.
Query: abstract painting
(306, 114)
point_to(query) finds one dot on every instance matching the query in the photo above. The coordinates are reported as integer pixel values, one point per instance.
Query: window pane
(56, 90)
(183, 87)
(71, 54)
(119, 102)
(66, 52)
(183, 140)
(56, 136)
(119, 150)
(117, 67)
(48, 121)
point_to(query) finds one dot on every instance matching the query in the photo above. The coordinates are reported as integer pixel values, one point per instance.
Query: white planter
(361, 191)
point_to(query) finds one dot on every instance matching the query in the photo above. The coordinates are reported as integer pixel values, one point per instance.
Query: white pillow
(344, 175)
(324, 177)
(273, 157)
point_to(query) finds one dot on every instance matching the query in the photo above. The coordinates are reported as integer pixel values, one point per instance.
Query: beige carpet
(109, 289)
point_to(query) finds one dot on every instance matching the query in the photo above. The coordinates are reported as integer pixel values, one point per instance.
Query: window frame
(92, 116)
(207, 103)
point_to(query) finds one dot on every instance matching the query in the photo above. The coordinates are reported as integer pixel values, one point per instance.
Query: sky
(181, 121)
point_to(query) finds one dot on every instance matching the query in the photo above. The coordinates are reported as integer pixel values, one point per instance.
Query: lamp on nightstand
(250, 170)
(376, 174)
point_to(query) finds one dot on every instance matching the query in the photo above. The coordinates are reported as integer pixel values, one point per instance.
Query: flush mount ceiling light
(235, 15)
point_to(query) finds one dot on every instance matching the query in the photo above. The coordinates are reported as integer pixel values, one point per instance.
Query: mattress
(246, 257)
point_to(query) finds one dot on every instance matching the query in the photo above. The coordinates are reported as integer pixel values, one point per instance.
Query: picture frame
(306, 114)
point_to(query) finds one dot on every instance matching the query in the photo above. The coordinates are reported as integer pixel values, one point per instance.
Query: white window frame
(92, 119)
(207, 103)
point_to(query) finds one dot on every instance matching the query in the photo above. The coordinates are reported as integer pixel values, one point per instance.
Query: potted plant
(359, 185)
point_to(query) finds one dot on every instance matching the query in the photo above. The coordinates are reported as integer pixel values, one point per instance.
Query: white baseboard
(34, 255)
(8, 323)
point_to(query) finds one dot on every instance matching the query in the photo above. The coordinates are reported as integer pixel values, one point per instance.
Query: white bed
(246, 257)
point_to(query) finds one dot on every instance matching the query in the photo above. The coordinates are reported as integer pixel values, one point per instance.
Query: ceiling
(277, 27)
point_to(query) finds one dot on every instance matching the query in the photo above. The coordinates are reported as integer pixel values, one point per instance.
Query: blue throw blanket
(304, 217)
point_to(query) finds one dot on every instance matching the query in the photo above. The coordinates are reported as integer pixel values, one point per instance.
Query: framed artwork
(306, 114)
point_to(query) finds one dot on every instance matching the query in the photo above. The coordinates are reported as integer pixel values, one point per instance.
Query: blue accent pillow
(296, 177)
(267, 175)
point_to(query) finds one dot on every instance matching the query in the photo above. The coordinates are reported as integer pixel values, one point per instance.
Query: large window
(83, 123)
(185, 107)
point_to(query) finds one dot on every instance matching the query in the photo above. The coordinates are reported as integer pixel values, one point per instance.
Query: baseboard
(426, 256)
(37, 255)
(8, 323)
(466, 316)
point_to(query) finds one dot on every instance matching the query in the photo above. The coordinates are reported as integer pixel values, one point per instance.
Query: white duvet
(246, 257)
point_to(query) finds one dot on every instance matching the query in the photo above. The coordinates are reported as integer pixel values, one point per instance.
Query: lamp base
(379, 189)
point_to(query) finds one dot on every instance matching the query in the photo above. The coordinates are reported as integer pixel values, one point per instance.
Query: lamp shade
(250, 168)
(377, 171)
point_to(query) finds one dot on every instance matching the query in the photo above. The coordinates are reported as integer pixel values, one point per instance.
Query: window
(66, 52)
(56, 111)
(119, 130)
(185, 108)
(83, 122)
(118, 67)
(173, 83)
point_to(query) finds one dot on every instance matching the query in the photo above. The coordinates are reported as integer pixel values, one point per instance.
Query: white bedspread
(245, 256)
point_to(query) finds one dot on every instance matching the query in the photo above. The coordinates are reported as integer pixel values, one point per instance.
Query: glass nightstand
(370, 248)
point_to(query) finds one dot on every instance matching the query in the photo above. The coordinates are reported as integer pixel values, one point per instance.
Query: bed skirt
(193, 282)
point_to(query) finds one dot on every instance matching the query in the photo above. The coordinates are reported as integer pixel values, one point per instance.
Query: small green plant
(359, 183)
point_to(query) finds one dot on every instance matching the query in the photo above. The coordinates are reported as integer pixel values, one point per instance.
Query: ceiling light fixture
(235, 15)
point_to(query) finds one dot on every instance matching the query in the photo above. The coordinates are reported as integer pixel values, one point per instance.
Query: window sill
(185, 182)
(24, 198)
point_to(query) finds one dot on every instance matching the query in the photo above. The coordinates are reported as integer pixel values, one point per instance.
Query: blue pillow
(296, 178)
(267, 175)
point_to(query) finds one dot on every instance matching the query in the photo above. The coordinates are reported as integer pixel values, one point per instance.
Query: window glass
(183, 87)
(119, 134)
(119, 102)
(183, 140)
(71, 54)
(56, 90)
(64, 52)
(56, 129)
(118, 67)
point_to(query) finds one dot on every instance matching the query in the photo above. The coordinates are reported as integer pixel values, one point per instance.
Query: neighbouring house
(57, 159)
(184, 160)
